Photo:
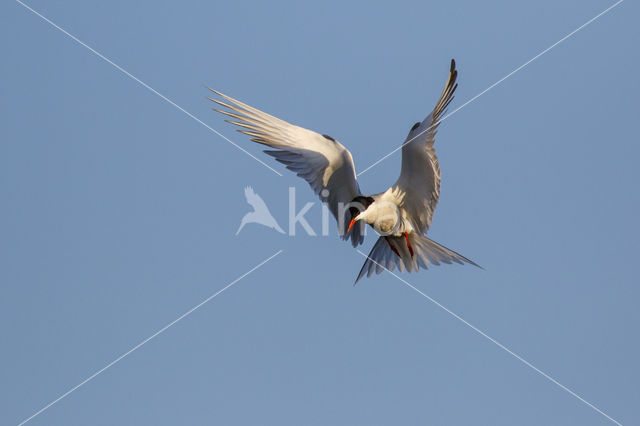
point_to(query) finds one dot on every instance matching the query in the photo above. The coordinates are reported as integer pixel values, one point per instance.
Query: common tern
(401, 215)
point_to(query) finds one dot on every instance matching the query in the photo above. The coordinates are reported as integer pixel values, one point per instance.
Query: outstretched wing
(419, 181)
(319, 159)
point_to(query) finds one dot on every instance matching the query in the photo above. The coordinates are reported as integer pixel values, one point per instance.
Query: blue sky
(119, 214)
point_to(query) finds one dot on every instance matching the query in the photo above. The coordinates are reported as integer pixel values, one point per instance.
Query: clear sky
(119, 214)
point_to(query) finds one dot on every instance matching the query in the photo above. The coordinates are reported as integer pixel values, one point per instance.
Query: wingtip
(453, 64)
(213, 90)
(471, 262)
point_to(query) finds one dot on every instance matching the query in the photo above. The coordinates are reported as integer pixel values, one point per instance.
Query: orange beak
(351, 225)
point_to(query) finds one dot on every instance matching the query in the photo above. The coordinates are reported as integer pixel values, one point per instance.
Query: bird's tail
(277, 227)
(242, 224)
(392, 252)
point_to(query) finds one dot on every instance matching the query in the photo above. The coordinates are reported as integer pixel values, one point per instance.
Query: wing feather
(323, 162)
(419, 181)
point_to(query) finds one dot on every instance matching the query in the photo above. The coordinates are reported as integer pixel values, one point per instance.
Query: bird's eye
(415, 126)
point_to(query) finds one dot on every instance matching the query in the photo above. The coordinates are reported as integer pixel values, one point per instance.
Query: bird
(401, 215)
(260, 213)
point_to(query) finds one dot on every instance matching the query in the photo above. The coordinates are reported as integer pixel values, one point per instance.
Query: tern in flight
(401, 215)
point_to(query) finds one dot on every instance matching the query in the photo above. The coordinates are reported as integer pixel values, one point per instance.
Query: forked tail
(392, 252)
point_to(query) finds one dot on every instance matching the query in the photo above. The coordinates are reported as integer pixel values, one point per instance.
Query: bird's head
(358, 209)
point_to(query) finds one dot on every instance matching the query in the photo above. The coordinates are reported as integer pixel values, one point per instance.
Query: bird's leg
(392, 247)
(406, 237)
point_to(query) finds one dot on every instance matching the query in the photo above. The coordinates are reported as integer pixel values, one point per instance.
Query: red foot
(406, 237)
(392, 247)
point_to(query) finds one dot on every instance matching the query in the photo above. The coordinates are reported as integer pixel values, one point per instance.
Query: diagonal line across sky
(145, 85)
(269, 167)
(142, 343)
(494, 341)
(493, 85)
